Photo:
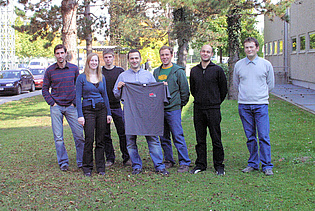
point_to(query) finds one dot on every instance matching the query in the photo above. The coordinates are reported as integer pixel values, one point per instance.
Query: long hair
(87, 67)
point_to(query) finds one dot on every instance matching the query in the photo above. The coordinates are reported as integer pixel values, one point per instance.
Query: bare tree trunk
(234, 31)
(182, 52)
(69, 28)
(183, 31)
(88, 38)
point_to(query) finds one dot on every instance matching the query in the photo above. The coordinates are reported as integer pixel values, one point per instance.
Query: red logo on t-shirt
(152, 95)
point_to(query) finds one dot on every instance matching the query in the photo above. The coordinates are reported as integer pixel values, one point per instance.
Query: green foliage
(44, 24)
(25, 47)
(133, 26)
(31, 179)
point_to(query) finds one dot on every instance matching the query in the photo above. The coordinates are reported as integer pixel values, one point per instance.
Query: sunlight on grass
(31, 180)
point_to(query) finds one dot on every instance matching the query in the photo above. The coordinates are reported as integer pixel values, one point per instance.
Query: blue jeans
(173, 124)
(154, 149)
(70, 112)
(255, 117)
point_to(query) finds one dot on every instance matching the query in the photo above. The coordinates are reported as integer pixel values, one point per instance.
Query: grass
(31, 180)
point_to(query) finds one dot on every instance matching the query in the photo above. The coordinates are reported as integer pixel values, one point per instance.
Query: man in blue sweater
(254, 78)
(61, 78)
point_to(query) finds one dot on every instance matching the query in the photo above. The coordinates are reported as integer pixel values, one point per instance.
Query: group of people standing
(152, 107)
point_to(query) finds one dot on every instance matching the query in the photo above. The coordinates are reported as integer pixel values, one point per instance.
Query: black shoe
(220, 172)
(136, 171)
(88, 174)
(101, 173)
(196, 170)
(64, 168)
(163, 172)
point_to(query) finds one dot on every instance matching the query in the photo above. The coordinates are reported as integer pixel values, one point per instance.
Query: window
(312, 40)
(275, 47)
(270, 48)
(280, 46)
(266, 48)
(293, 44)
(302, 43)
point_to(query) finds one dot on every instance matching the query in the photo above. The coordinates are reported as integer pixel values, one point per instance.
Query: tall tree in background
(69, 28)
(48, 19)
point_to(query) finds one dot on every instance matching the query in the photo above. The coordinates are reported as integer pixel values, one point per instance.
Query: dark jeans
(210, 118)
(95, 125)
(117, 115)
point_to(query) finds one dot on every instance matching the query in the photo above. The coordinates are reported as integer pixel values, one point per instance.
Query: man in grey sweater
(254, 78)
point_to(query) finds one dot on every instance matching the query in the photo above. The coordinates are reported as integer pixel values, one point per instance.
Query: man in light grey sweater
(254, 78)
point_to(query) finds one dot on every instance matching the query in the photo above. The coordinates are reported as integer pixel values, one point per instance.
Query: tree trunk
(234, 31)
(182, 52)
(69, 28)
(88, 38)
(183, 31)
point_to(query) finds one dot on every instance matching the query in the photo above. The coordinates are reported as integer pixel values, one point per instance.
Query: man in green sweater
(175, 77)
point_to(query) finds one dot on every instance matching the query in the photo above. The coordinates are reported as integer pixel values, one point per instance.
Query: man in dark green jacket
(175, 77)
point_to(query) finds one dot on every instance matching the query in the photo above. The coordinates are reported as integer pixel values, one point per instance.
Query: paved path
(299, 96)
(8, 98)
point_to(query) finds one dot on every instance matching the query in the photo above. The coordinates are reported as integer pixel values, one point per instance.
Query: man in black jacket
(208, 86)
(111, 74)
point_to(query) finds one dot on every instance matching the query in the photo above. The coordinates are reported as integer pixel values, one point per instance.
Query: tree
(25, 49)
(48, 19)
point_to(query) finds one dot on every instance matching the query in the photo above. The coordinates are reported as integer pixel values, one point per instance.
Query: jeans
(95, 125)
(173, 124)
(117, 115)
(70, 112)
(255, 117)
(154, 149)
(210, 118)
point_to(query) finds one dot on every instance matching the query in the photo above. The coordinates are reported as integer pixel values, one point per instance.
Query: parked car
(38, 74)
(16, 81)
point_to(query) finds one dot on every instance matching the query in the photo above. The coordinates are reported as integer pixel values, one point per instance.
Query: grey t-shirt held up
(144, 108)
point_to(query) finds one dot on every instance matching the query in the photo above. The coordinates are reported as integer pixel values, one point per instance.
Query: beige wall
(302, 22)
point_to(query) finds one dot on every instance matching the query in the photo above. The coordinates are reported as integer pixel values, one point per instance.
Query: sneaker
(109, 163)
(248, 169)
(268, 172)
(220, 172)
(64, 168)
(183, 168)
(196, 170)
(88, 174)
(168, 164)
(128, 163)
(136, 171)
(163, 172)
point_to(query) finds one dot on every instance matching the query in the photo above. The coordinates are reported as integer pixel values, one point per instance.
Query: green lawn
(30, 178)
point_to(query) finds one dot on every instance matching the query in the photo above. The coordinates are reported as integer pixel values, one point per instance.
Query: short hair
(165, 47)
(252, 39)
(133, 51)
(108, 51)
(60, 46)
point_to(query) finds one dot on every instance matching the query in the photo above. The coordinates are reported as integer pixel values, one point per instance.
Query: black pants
(210, 118)
(95, 125)
(118, 118)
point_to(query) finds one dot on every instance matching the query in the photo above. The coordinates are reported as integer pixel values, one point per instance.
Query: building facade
(290, 47)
